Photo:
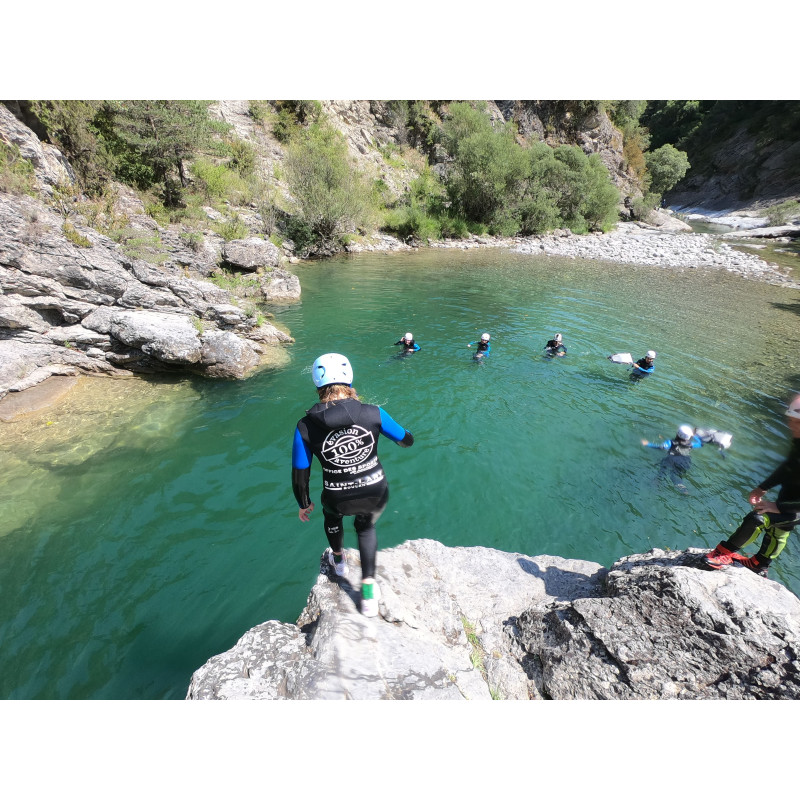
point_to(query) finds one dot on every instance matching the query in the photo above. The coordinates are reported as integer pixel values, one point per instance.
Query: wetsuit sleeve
(697, 441)
(665, 445)
(776, 479)
(301, 469)
(416, 347)
(391, 430)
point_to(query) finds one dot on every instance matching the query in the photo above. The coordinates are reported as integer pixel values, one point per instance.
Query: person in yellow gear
(775, 519)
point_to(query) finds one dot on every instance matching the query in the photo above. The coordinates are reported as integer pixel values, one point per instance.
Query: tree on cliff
(151, 140)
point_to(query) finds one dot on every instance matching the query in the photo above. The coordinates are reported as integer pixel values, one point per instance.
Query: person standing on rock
(343, 434)
(776, 520)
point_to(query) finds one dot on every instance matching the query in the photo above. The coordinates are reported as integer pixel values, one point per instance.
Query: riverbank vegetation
(729, 135)
(466, 172)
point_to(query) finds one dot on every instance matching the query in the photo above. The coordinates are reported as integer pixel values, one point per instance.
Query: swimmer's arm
(392, 430)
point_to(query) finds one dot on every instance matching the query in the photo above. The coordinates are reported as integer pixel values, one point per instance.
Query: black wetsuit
(553, 347)
(408, 347)
(343, 435)
(787, 476)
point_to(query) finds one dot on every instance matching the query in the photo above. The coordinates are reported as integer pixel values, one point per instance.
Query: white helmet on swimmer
(484, 337)
(557, 337)
(408, 337)
(331, 368)
(685, 432)
(651, 354)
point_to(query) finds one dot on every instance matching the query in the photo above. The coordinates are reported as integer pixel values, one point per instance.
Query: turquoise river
(145, 525)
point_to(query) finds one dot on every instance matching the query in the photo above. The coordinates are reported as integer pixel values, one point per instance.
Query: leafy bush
(488, 166)
(73, 126)
(333, 198)
(73, 235)
(218, 182)
(413, 221)
(231, 229)
(16, 174)
(642, 206)
(243, 157)
(666, 166)
(193, 240)
(781, 213)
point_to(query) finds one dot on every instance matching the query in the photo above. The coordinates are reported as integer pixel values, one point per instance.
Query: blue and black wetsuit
(641, 368)
(411, 347)
(678, 460)
(484, 348)
(343, 435)
(554, 347)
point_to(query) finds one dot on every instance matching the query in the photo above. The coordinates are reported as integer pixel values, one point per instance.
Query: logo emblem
(348, 446)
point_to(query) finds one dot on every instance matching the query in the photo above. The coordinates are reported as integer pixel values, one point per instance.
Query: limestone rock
(251, 254)
(49, 164)
(475, 623)
(171, 338)
(278, 286)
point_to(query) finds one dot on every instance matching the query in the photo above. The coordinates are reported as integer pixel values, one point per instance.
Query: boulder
(171, 338)
(251, 254)
(278, 286)
(476, 623)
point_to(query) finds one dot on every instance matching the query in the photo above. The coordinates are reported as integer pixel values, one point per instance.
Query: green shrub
(300, 233)
(231, 229)
(243, 157)
(218, 182)
(259, 110)
(641, 207)
(193, 240)
(666, 166)
(73, 235)
(781, 213)
(412, 221)
(332, 196)
(17, 175)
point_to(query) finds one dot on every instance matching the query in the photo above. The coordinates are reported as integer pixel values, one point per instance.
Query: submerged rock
(476, 623)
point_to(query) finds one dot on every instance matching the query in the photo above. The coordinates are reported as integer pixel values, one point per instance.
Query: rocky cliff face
(72, 301)
(475, 623)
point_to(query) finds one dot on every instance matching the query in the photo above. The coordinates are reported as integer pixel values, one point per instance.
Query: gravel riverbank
(629, 244)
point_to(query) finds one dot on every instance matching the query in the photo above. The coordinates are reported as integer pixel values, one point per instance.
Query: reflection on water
(145, 525)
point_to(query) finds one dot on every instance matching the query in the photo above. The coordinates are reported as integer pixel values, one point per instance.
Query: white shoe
(341, 568)
(370, 595)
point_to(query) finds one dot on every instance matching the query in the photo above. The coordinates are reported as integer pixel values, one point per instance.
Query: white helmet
(685, 432)
(331, 368)
(557, 337)
(651, 354)
(408, 336)
(484, 337)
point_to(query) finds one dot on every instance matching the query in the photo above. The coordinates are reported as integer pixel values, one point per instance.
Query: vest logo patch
(348, 446)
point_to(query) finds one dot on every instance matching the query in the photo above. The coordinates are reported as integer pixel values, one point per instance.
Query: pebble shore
(629, 244)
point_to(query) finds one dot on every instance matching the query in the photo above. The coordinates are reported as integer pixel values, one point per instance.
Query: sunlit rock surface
(476, 623)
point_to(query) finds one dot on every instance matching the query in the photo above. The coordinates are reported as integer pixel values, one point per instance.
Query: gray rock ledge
(476, 623)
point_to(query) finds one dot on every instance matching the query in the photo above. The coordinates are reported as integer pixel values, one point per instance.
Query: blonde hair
(336, 391)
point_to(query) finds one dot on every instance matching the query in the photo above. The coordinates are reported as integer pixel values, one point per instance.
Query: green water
(145, 525)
